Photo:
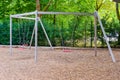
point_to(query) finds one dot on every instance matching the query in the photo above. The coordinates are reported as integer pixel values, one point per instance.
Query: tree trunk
(91, 35)
(117, 11)
(38, 5)
(85, 37)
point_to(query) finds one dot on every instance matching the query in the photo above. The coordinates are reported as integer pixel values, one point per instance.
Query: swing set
(38, 19)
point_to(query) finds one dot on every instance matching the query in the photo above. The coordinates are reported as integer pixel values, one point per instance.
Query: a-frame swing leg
(36, 35)
(95, 34)
(45, 33)
(10, 35)
(102, 28)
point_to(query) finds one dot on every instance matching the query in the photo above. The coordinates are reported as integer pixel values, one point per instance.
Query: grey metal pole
(110, 50)
(10, 35)
(36, 30)
(95, 34)
(45, 33)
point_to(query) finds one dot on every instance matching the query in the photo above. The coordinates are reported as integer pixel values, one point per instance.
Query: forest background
(63, 30)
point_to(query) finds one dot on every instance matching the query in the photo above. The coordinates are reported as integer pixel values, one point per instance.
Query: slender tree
(38, 5)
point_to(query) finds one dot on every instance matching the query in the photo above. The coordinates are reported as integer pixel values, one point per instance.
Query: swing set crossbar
(68, 13)
(24, 18)
(57, 13)
(24, 14)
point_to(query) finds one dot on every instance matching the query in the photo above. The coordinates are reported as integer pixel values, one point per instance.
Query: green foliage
(63, 30)
(4, 33)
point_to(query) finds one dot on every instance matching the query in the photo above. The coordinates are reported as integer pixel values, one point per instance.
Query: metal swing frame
(35, 30)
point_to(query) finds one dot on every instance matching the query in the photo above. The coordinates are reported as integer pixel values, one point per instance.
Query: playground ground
(58, 64)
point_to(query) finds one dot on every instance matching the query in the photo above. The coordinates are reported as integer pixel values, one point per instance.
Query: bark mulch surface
(58, 65)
